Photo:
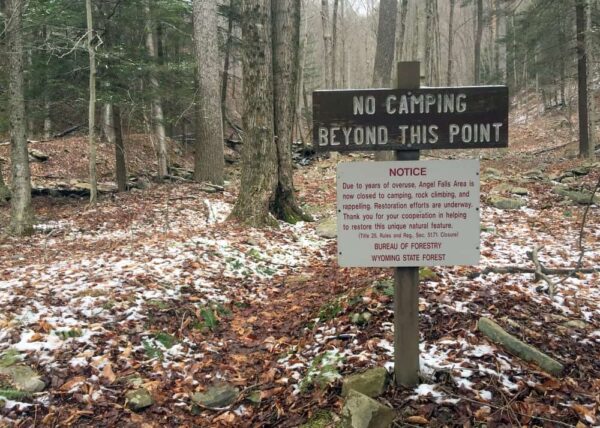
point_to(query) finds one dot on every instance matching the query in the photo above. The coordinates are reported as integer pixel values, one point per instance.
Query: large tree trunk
(21, 219)
(450, 43)
(121, 165)
(327, 44)
(384, 53)
(259, 167)
(157, 110)
(286, 41)
(585, 148)
(478, 35)
(209, 157)
(386, 42)
(401, 30)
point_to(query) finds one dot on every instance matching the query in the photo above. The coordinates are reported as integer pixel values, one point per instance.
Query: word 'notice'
(421, 213)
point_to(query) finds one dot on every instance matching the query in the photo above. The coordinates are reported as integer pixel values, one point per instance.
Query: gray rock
(582, 197)
(23, 378)
(501, 188)
(360, 411)
(327, 228)
(10, 357)
(535, 174)
(506, 203)
(38, 155)
(370, 383)
(492, 173)
(217, 396)
(139, 399)
(577, 324)
(519, 191)
(581, 170)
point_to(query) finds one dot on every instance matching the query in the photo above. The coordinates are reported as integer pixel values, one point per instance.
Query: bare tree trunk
(108, 126)
(286, 40)
(403, 11)
(592, 107)
(4, 190)
(429, 30)
(384, 53)
(326, 41)
(585, 148)
(120, 163)
(437, 56)
(334, 47)
(344, 70)
(478, 35)
(450, 43)
(47, 120)
(562, 65)
(92, 104)
(386, 40)
(416, 37)
(501, 69)
(157, 110)
(210, 163)
(300, 86)
(228, 44)
(259, 164)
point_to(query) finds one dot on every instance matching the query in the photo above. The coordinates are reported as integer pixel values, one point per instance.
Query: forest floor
(154, 289)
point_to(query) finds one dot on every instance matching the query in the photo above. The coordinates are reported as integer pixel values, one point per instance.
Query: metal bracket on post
(406, 279)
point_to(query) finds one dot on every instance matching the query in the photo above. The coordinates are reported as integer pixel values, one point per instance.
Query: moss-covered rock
(327, 228)
(506, 203)
(582, 197)
(23, 378)
(360, 411)
(217, 396)
(139, 399)
(371, 383)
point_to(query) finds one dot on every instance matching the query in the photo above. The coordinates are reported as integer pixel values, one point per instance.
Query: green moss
(321, 419)
(330, 310)
(165, 339)
(14, 394)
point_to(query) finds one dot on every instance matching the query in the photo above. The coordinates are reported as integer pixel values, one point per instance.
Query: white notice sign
(418, 213)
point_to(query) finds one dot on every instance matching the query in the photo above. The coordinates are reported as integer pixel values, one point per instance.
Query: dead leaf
(419, 420)
(108, 373)
(71, 383)
(36, 337)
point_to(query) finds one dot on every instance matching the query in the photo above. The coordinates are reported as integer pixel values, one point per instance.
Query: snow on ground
(64, 313)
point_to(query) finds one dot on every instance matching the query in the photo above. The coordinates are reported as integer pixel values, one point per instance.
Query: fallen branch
(549, 149)
(539, 274)
(526, 352)
(547, 271)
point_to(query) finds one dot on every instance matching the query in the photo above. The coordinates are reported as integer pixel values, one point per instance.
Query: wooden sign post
(406, 279)
(410, 213)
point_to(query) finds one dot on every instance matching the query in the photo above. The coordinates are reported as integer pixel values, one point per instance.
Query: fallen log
(526, 352)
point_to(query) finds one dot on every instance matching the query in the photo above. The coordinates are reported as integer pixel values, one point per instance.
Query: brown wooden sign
(417, 119)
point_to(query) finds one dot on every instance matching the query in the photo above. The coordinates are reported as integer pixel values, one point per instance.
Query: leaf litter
(155, 290)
